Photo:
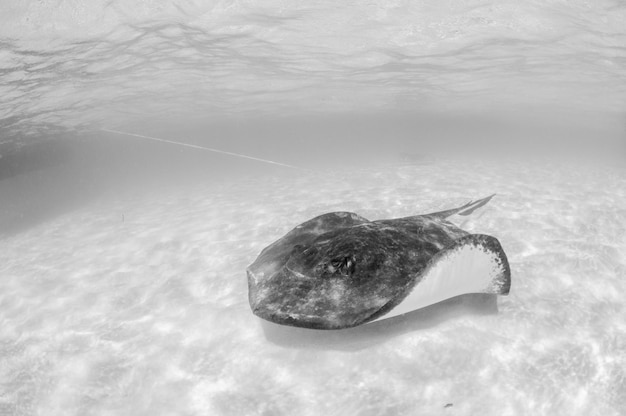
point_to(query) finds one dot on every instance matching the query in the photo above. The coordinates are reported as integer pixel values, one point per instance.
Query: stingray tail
(466, 209)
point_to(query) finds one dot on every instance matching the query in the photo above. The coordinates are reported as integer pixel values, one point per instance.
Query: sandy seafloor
(136, 303)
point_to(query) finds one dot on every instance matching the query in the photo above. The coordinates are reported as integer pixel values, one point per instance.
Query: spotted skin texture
(339, 270)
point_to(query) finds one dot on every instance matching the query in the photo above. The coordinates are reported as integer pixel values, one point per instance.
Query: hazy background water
(310, 84)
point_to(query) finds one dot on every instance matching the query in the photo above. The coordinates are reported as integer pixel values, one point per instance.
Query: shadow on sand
(35, 197)
(365, 336)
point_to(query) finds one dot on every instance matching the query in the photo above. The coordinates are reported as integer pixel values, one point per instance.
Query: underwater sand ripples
(150, 315)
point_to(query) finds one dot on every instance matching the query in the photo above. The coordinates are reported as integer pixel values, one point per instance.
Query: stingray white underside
(464, 269)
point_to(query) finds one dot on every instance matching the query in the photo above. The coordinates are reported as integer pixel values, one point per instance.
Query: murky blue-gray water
(122, 258)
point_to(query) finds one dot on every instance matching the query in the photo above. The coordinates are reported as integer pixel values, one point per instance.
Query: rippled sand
(136, 303)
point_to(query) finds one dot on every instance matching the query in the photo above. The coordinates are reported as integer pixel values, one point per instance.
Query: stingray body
(340, 270)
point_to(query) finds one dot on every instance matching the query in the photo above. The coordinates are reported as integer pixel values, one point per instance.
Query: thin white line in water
(194, 146)
(233, 241)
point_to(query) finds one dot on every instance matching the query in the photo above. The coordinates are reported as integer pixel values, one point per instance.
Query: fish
(340, 270)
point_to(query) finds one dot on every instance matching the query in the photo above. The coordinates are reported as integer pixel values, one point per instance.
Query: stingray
(340, 270)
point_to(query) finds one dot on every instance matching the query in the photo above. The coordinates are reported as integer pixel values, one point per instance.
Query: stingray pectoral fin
(473, 264)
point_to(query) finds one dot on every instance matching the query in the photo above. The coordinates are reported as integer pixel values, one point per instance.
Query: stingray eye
(344, 265)
(349, 266)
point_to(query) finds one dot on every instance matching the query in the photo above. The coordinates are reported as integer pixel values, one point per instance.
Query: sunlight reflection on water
(99, 66)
